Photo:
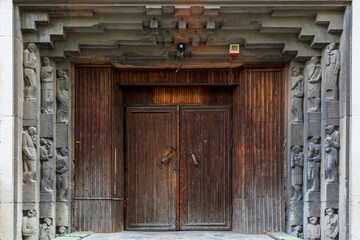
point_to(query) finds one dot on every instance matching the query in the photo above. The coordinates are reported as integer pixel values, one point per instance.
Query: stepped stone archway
(138, 35)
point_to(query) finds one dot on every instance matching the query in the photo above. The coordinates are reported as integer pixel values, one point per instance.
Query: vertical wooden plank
(258, 152)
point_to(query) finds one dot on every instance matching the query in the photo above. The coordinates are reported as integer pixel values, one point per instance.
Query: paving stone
(186, 235)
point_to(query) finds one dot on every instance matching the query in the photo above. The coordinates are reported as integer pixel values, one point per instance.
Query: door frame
(179, 160)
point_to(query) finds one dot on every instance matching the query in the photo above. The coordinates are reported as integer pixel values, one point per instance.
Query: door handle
(193, 157)
(167, 156)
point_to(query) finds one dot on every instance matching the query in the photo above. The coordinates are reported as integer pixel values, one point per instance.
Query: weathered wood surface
(97, 205)
(205, 193)
(151, 183)
(258, 160)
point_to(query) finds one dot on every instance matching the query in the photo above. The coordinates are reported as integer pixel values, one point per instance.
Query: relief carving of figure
(46, 158)
(297, 95)
(45, 230)
(61, 231)
(332, 146)
(47, 86)
(331, 224)
(314, 158)
(314, 86)
(297, 231)
(29, 223)
(29, 154)
(313, 229)
(62, 174)
(332, 58)
(297, 164)
(62, 95)
(30, 64)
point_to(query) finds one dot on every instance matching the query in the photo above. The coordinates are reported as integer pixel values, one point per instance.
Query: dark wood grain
(151, 183)
(205, 168)
(258, 164)
(98, 201)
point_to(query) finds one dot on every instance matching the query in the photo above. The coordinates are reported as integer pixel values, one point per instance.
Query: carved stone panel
(332, 62)
(46, 158)
(313, 229)
(332, 146)
(62, 96)
(62, 174)
(30, 77)
(47, 87)
(297, 95)
(314, 161)
(331, 224)
(297, 165)
(297, 231)
(29, 154)
(314, 85)
(46, 229)
(29, 226)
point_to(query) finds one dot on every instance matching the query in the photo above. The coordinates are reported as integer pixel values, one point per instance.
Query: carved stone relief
(331, 224)
(332, 146)
(314, 85)
(297, 164)
(313, 229)
(297, 231)
(61, 231)
(297, 95)
(29, 224)
(62, 95)
(314, 161)
(46, 158)
(29, 154)
(46, 230)
(30, 77)
(332, 60)
(47, 86)
(62, 174)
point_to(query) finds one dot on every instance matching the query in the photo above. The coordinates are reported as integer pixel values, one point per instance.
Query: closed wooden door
(151, 168)
(158, 198)
(205, 168)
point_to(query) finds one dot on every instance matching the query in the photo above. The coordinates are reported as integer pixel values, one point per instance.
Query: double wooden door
(178, 168)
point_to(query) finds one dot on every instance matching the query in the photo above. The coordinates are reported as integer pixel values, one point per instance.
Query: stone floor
(188, 235)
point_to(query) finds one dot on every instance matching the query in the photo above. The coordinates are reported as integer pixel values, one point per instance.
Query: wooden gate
(257, 96)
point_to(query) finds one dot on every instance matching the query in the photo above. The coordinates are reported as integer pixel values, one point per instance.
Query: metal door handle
(193, 157)
(167, 156)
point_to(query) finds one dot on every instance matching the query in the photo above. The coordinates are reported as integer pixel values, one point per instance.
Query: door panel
(151, 184)
(205, 173)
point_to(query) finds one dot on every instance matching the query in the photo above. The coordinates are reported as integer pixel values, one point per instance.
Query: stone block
(47, 125)
(62, 214)
(312, 209)
(314, 128)
(331, 193)
(30, 193)
(296, 213)
(312, 196)
(30, 206)
(314, 116)
(47, 210)
(297, 134)
(330, 204)
(30, 111)
(29, 123)
(47, 196)
(62, 136)
(333, 115)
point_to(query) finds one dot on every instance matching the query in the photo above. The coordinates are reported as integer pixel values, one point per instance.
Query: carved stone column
(30, 142)
(330, 137)
(47, 150)
(63, 163)
(296, 156)
(312, 149)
